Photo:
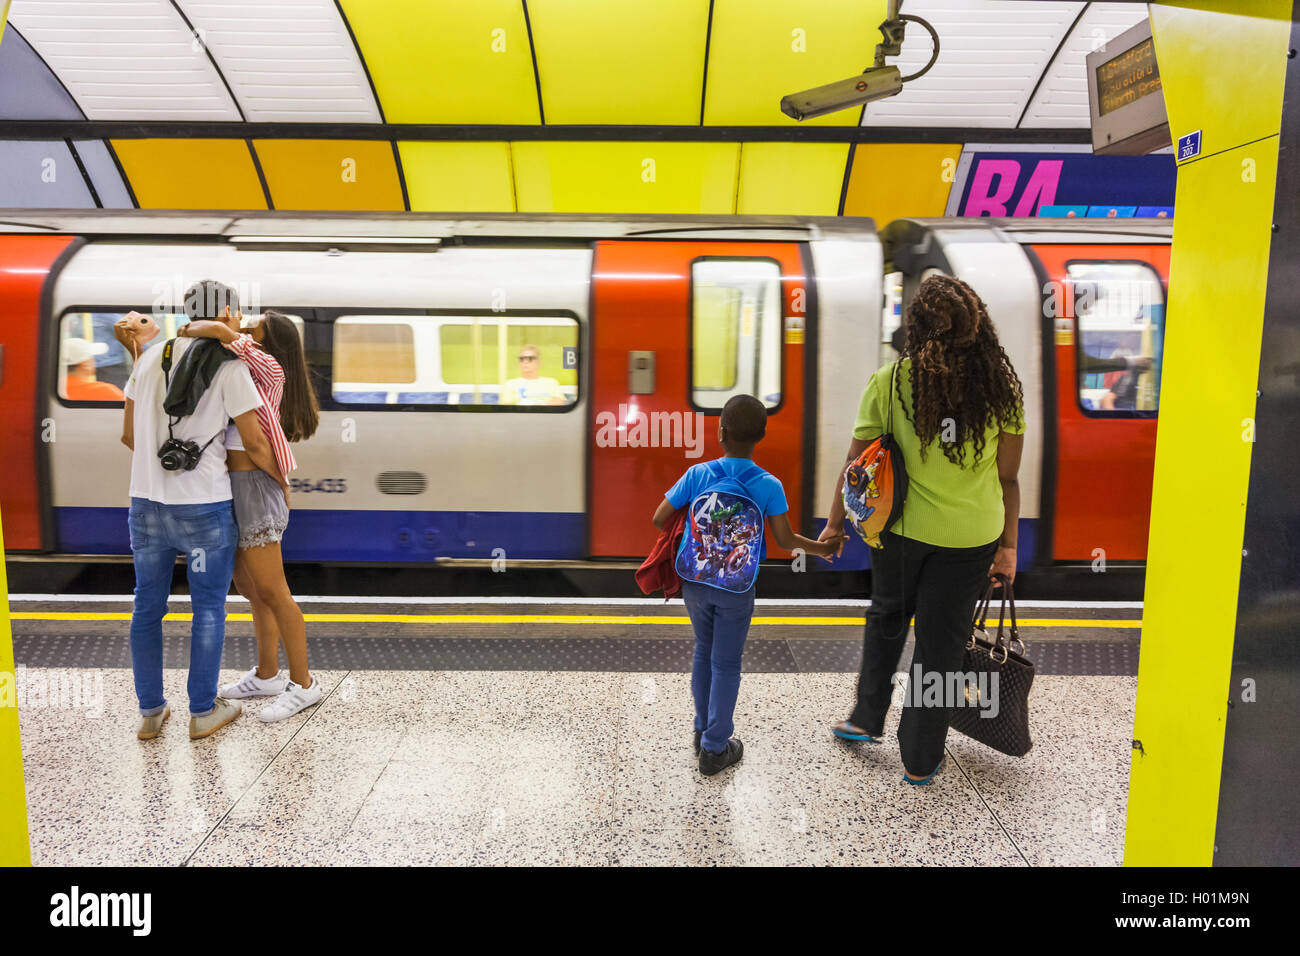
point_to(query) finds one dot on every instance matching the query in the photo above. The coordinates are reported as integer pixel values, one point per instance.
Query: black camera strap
(167, 379)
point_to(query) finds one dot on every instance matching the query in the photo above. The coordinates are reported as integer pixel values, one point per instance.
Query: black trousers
(940, 587)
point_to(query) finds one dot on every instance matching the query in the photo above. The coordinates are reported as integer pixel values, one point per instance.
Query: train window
(93, 365)
(371, 353)
(1119, 310)
(520, 361)
(735, 331)
(509, 361)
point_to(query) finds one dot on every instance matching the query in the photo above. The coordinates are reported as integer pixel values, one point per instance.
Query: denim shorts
(260, 510)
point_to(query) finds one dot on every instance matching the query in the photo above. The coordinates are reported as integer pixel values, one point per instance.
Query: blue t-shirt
(763, 488)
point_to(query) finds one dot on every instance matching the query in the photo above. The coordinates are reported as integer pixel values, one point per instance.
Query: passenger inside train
(531, 387)
(81, 382)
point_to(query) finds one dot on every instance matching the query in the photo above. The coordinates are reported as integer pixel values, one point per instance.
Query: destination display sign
(1127, 78)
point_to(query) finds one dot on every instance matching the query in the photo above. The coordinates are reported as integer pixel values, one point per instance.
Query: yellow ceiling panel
(759, 52)
(622, 61)
(330, 173)
(892, 180)
(458, 177)
(447, 61)
(191, 173)
(791, 179)
(626, 177)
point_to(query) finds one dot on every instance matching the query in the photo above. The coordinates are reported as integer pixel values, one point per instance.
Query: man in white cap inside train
(79, 383)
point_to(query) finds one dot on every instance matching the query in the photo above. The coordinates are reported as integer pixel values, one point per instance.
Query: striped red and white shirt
(268, 377)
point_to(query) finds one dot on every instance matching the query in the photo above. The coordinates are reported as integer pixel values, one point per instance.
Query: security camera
(876, 83)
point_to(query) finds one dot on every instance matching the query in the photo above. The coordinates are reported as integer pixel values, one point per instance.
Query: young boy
(720, 615)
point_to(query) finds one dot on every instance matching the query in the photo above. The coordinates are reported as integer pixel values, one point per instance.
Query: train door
(678, 329)
(1106, 309)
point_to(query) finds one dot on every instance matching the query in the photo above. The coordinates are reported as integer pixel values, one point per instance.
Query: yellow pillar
(1223, 63)
(14, 847)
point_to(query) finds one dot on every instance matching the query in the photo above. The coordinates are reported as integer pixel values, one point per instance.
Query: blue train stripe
(320, 535)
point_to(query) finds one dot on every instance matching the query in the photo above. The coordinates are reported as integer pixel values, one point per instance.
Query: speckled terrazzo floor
(464, 767)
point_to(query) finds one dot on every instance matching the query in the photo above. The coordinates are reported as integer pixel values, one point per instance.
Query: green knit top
(947, 505)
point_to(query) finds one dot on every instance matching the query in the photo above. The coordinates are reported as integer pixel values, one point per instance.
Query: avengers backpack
(875, 484)
(724, 533)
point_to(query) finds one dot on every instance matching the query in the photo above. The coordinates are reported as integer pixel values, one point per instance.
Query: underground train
(526, 388)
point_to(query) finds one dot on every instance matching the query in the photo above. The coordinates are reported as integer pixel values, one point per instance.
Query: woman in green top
(958, 417)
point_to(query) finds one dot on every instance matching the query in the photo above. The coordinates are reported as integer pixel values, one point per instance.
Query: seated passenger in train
(531, 387)
(728, 501)
(181, 504)
(80, 384)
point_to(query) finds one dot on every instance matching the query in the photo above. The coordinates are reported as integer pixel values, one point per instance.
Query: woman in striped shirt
(273, 352)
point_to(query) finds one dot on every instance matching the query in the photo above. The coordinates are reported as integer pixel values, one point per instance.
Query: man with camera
(181, 504)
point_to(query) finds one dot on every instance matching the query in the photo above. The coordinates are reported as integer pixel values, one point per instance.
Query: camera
(873, 83)
(177, 455)
(876, 83)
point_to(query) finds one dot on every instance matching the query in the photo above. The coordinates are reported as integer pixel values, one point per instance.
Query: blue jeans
(721, 622)
(206, 536)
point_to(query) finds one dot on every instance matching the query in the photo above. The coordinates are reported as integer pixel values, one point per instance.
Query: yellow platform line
(575, 619)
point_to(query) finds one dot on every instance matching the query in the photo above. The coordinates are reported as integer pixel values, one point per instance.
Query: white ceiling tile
(125, 59)
(1062, 98)
(991, 55)
(286, 60)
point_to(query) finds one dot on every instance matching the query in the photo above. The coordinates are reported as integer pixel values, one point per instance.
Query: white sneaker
(250, 685)
(292, 700)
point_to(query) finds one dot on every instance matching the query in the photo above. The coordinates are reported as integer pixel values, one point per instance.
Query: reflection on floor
(543, 767)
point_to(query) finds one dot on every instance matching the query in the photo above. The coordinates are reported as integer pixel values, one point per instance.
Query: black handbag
(996, 711)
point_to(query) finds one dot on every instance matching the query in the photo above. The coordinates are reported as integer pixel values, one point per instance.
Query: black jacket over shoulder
(191, 375)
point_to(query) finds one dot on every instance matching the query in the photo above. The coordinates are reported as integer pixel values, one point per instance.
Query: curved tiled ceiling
(558, 62)
(968, 87)
(759, 52)
(1062, 95)
(285, 60)
(126, 59)
(378, 104)
(649, 58)
(448, 62)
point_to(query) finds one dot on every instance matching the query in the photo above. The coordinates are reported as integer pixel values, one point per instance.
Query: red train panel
(641, 302)
(24, 263)
(1104, 466)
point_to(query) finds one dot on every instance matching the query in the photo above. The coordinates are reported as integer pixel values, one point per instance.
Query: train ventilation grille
(402, 483)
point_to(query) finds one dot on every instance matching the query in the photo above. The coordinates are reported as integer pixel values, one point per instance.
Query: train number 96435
(335, 485)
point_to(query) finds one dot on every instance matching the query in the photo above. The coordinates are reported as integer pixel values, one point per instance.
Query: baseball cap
(75, 351)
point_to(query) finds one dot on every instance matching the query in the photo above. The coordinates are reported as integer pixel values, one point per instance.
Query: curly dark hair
(960, 374)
